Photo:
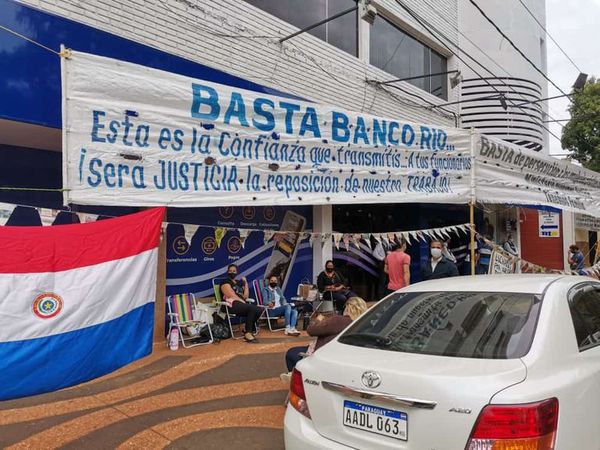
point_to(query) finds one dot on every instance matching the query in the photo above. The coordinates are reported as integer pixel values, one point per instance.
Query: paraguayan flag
(76, 301)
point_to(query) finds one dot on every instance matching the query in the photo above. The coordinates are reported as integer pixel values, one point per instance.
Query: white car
(478, 363)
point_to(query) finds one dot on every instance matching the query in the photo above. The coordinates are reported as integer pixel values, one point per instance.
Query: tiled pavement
(218, 396)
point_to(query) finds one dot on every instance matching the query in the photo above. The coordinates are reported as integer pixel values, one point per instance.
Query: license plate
(374, 419)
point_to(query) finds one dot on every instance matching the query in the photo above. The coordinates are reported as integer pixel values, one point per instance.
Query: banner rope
(8, 30)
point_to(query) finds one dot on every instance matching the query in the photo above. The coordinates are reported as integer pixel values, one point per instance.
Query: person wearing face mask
(277, 306)
(236, 294)
(438, 266)
(333, 286)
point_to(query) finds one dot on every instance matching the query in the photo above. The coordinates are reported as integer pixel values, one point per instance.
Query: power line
(549, 35)
(541, 72)
(424, 24)
(486, 54)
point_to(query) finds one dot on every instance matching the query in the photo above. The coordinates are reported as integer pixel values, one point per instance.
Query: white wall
(500, 59)
(305, 65)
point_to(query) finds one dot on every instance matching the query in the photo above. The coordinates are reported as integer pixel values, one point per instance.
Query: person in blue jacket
(277, 306)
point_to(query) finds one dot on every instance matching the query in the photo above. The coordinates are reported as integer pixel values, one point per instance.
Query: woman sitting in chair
(235, 294)
(277, 306)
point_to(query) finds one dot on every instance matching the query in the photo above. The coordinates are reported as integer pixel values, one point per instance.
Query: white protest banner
(507, 173)
(140, 136)
(502, 262)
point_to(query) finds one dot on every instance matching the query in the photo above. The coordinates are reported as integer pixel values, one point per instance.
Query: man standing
(438, 266)
(397, 266)
(485, 255)
(576, 258)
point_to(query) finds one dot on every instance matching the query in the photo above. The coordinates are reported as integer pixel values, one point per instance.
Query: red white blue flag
(76, 301)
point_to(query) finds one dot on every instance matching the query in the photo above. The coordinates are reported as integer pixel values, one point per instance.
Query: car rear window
(490, 325)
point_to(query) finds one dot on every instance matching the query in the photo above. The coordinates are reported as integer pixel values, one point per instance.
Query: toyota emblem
(371, 379)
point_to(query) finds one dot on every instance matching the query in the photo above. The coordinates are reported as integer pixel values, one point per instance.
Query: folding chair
(259, 287)
(216, 282)
(180, 315)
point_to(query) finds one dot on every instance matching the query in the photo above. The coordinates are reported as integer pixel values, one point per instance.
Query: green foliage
(581, 134)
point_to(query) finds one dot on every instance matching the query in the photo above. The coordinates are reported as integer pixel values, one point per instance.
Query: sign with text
(507, 173)
(502, 262)
(549, 224)
(140, 136)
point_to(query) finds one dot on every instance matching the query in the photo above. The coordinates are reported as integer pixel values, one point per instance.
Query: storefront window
(341, 32)
(403, 56)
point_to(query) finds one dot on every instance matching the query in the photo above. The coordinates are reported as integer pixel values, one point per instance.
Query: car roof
(529, 283)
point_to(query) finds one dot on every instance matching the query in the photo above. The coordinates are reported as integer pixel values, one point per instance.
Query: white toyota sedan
(470, 363)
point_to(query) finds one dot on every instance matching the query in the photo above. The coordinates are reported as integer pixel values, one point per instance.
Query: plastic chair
(180, 315)
(216, 282)
(259, 287)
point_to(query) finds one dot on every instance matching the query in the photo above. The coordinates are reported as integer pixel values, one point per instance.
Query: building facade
(345, 62)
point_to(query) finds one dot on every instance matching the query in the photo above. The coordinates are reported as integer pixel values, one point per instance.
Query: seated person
(277, 306)
(235, 294)
(325, 329)
(333, 286)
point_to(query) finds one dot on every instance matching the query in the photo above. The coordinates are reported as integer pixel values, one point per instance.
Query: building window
(403, 56)
(341, 32)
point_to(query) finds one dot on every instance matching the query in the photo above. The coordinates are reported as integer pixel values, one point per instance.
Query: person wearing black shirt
(334, 286)
(236, 294)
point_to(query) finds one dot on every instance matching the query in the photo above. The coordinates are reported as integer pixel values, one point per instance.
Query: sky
(574, 24)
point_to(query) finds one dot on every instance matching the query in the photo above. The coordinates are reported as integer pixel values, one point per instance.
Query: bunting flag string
(48, 216)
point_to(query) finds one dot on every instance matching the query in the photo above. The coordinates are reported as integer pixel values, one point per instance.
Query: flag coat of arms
(76, 301)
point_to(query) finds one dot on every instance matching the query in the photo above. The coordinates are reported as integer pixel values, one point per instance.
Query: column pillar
(568, 234)
(322, 223)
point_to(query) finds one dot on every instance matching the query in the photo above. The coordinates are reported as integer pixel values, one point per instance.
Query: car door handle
(379, 396)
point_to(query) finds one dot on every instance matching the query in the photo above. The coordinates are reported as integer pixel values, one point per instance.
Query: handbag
(219, 328)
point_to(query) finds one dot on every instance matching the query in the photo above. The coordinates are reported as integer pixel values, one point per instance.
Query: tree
(581, 134)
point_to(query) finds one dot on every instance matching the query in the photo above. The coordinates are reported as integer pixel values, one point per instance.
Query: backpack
(220, 328)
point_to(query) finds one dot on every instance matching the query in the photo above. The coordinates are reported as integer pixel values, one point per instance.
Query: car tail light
(530, 426)
(297, 395)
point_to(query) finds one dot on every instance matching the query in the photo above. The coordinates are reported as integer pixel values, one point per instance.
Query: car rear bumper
(300, 434)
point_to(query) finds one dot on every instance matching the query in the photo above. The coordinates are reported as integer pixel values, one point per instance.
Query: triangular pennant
(337, 237)
(385, 238)
(377, 237)
(324, 238)
(190, 231)
(86, 217)
(243, 236)
(392, 238)
(346, 240)
(6, 210)
(406, 237)
(367, 238)
(356, 239)
(313, 237)
(268, 234)
(219, 235)
(398, 236)
(47, 215)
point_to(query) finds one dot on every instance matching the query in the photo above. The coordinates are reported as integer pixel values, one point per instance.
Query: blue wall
(30, 89)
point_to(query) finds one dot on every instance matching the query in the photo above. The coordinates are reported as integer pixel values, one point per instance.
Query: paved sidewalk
(218, 396)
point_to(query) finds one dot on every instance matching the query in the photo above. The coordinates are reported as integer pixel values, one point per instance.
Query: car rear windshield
(490, 325)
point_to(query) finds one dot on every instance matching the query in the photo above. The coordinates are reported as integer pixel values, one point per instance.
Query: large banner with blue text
(140, 136)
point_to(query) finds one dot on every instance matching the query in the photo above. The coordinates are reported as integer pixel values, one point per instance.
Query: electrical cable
(428, 28)
(549, 35)
(541, 72)
(493, 61)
